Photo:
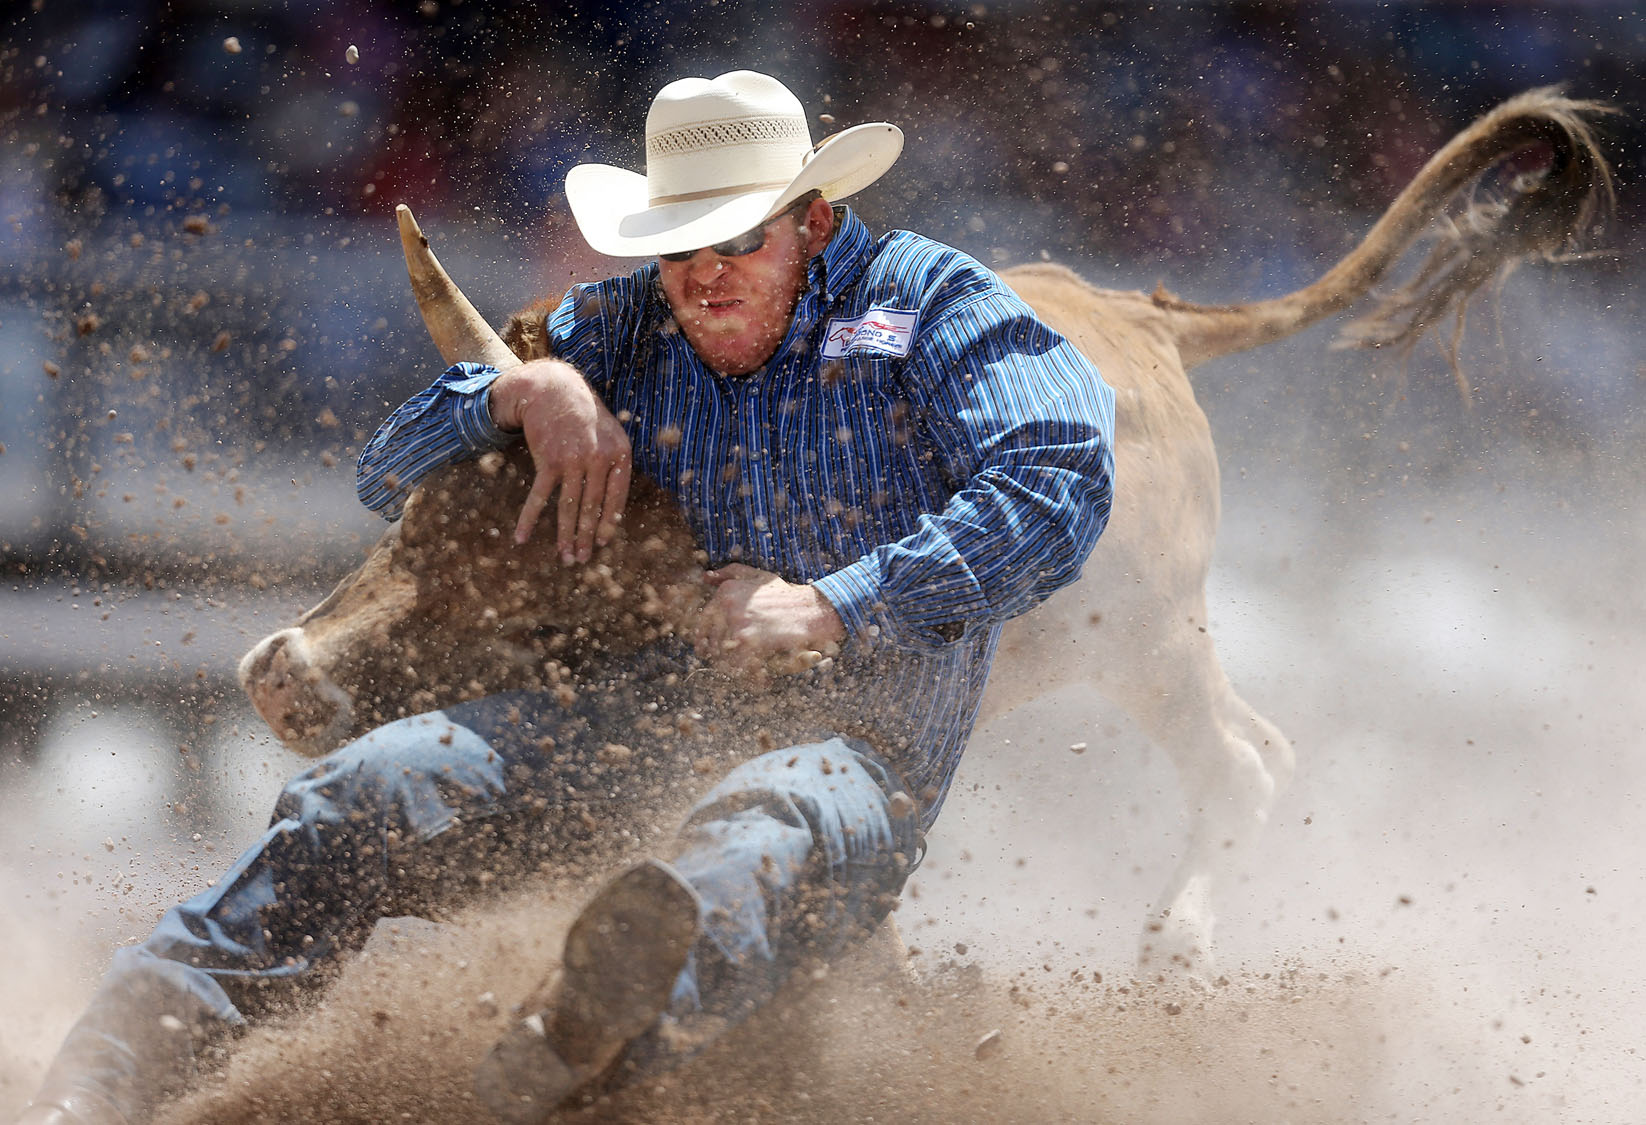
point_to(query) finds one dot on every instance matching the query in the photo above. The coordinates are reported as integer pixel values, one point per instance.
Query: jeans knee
(408, 774)
(852, 802)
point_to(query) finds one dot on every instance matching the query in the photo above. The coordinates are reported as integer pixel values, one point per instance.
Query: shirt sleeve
(1024, 425)
(450, 421)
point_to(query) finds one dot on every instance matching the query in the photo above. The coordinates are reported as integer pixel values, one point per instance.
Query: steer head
(446, 607)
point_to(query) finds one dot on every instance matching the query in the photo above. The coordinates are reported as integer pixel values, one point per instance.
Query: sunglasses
(746, 243)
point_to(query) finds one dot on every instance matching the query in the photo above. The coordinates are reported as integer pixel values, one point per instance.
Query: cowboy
(884, 454)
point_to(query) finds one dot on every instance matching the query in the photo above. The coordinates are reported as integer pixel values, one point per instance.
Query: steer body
(446, 606)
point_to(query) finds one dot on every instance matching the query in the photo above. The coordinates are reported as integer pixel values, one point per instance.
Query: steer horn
(459, 331)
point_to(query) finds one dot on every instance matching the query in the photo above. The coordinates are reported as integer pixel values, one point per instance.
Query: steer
(446, 607)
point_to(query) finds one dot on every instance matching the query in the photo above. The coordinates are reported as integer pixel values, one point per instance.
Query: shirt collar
(833, 271)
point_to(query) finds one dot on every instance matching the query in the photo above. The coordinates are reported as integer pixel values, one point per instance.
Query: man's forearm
(448, 422)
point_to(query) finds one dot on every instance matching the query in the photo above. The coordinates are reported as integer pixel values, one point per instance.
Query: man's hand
(576, 445)
(757, 623)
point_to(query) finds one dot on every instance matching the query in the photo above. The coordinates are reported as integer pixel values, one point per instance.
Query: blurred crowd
(1106, 123)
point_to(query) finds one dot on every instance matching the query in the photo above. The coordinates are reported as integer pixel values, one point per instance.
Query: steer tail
(1545, 214)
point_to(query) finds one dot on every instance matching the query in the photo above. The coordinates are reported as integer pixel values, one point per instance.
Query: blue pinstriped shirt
(921, 448)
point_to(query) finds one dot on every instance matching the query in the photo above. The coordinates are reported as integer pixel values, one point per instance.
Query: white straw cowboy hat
(722, 157)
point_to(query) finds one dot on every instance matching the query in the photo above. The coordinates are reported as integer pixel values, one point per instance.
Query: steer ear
(459, 331)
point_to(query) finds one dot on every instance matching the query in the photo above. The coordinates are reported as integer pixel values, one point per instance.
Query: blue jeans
(794, 852)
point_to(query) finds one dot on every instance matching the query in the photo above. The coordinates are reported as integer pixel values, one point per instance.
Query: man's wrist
(503, 403)
(830, 625)
(829, 628)
(852, 593)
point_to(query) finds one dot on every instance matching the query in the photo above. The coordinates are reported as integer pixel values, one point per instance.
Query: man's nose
(705, 266)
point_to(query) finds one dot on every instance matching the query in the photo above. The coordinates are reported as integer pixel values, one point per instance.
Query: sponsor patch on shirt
(887, 331)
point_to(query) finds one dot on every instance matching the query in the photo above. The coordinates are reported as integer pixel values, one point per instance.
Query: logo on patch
(887, 331)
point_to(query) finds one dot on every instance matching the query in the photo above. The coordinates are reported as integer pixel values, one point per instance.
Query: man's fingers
(793, 663)
(731, 572)
(536, 500)
(588, 516)
(617, 499)
(706, 637)
(571, 499)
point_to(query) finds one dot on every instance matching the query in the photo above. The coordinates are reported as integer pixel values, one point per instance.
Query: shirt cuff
(854, 591)
(471, 411)
(856, 594)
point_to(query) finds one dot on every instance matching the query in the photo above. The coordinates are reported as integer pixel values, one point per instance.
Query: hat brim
(613, 210)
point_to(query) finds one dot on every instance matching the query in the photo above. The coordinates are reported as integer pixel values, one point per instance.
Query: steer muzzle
(304, 708)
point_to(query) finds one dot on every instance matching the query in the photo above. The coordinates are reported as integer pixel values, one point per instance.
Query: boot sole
(623, 955)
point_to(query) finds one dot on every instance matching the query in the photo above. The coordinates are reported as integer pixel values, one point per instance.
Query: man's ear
(819, 226)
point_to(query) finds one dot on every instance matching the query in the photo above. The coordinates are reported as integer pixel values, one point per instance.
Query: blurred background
(204, 314)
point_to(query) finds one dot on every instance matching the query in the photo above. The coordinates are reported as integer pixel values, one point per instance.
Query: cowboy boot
(623, 955)
(137, 1042)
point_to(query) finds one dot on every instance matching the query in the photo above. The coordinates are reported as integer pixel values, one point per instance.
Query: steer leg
(1231, 763)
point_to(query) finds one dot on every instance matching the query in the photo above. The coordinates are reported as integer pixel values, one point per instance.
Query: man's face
(735, 310)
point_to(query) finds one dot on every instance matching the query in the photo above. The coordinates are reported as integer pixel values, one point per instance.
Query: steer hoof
(1177, 948)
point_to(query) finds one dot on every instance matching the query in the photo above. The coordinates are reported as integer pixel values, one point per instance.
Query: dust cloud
(1441, 923)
